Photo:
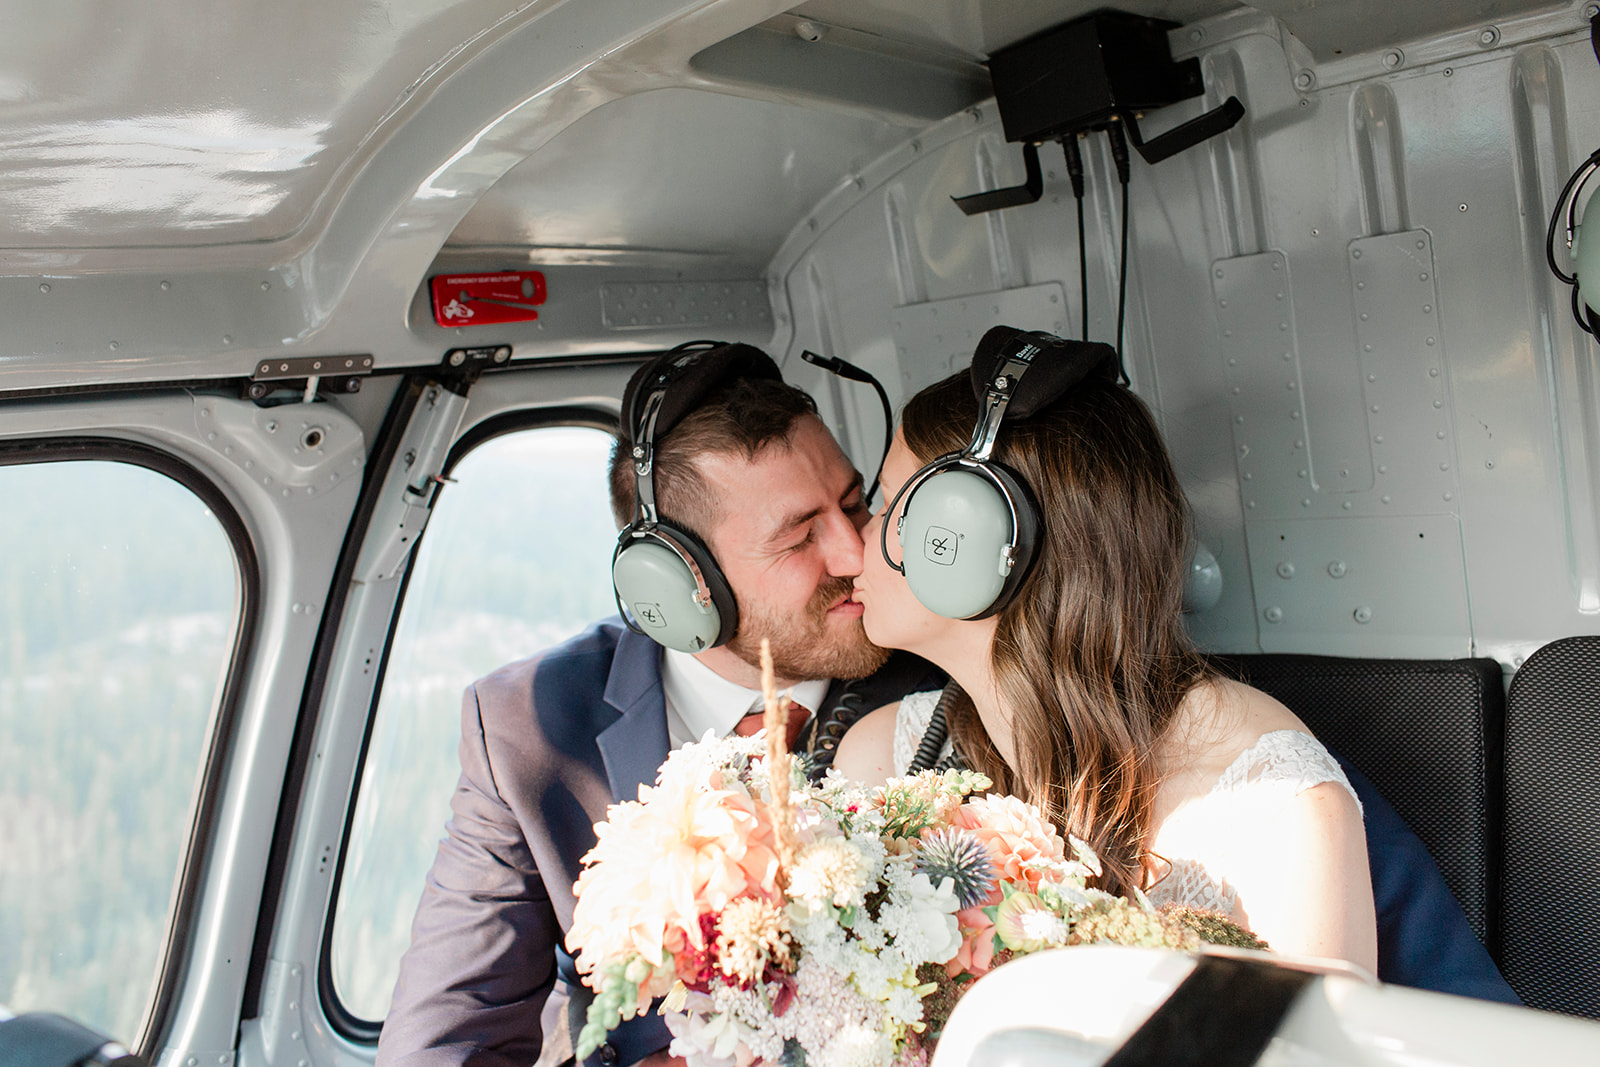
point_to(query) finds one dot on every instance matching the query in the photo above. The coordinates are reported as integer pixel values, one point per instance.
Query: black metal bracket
(462, 367)
(1186, 135)
(1029, 191)
(328, 374)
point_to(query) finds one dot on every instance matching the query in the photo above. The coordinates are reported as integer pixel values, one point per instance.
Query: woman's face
(894, 617)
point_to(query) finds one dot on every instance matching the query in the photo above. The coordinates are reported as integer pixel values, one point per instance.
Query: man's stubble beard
(802, 646)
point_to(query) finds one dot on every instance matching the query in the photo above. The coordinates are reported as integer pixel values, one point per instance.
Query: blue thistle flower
(959, 856)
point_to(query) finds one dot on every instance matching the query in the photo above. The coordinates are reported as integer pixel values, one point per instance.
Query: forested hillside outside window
(119, 595)
(517, 557)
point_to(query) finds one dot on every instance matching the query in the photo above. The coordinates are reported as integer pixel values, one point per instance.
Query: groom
(742, 462)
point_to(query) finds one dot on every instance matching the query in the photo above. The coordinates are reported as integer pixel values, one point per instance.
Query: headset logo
(1026, 353)
(939, 546)
(649, 614)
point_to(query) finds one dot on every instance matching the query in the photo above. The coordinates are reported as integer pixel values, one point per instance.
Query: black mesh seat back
(1427, 733)
(1551, 932)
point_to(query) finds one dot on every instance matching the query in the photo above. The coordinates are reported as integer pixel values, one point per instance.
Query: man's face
(788, 538)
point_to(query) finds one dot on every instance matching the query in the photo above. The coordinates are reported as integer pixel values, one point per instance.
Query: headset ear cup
(953, 536)
(1027, 534)
(656, 587)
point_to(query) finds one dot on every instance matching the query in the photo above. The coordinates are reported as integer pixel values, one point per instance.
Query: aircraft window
(516, 558)
(120, 595)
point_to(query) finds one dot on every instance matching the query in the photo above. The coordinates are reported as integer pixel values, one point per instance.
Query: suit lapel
(634, 746)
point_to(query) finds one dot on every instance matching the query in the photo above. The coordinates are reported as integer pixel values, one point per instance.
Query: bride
(1074, 685)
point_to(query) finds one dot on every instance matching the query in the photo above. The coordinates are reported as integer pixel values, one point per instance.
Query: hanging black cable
(1119, 155)
(1074, 157)
(845, 369)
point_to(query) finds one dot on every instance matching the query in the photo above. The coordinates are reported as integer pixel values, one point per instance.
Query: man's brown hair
(742, 417)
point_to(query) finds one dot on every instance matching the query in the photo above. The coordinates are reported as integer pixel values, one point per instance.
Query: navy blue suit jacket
(547, 743)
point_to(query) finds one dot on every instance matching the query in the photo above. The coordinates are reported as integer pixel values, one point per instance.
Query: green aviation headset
(667, 584)
(970, 528)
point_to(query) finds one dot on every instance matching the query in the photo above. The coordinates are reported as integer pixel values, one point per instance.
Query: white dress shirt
(699, 699)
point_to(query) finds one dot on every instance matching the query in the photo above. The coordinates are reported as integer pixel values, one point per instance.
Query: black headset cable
(1074, 157)
(1119, 155)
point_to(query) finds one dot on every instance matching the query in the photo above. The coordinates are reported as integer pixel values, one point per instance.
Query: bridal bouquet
(821, 923)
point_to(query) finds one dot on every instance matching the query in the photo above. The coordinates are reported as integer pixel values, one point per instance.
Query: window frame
(344, 1022)
(224, 715)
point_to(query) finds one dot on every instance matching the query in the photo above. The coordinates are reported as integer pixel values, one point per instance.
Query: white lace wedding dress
(1200, 838)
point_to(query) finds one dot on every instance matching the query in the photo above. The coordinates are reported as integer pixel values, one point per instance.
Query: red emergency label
(486, 299)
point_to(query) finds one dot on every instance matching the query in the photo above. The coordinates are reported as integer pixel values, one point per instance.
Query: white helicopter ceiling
(295, 170)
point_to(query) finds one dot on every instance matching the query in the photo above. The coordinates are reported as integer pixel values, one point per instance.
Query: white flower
(830, 871)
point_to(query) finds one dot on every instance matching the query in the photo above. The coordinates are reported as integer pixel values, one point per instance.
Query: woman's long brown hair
(1091, 658)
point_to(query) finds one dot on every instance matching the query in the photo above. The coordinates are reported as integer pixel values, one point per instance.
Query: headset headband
(668, 388)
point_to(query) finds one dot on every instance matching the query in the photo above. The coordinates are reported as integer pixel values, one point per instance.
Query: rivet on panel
(1448, 71)
(1422, 244)
(1236, 390)
(1449, 496)
(1222, 303)
(1363, 614)
(1197, 35)
(265, 286)
(1489, 36)
(1439, 434)
(1438, 404)
(1251, 505)
(1393, 58)
(1361, 285)
(1427, 309)
(1273, 614)
(1367, 348)
(1377, 439)
(1463, 207)
(1386, 499)
(1218, 272)
(227, 340)
(1287, 356)
(1315, 232)
(1383, 468)
(1248, 477)
(1422, 277)
(1286, 570)
(1430, 340)
(1302, 474)
(1433, 372)
(1488, 464)
(1444, 466)
(1294, 414)
(1232, 361)
(1304, 80)
(1238, 418)
(166, 287)
(1355, 254)
(1374, 409)
(1372, 377)
(1346, 505)
(1306, 502)
(1365, 316)
(1336, 569)
(114, 346)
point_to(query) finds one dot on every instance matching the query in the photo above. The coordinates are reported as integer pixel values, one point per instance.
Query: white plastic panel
(1349, 587)
(942, 334)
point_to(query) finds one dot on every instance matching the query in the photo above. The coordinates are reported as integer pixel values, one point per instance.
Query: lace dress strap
(910, 723)
(1199, 841)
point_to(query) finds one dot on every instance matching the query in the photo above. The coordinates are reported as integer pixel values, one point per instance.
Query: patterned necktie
(757, 719)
